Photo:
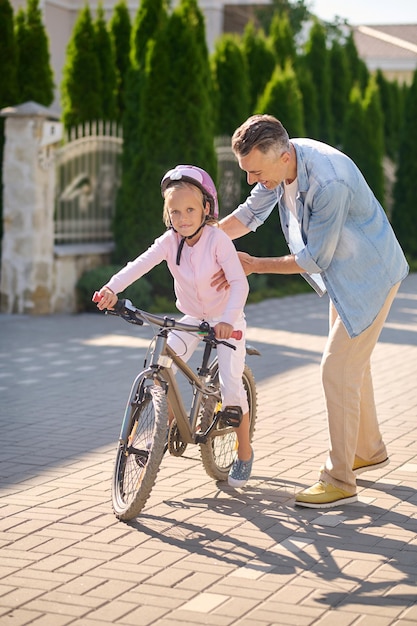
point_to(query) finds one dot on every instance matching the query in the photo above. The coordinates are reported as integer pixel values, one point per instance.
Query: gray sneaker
(240, 472)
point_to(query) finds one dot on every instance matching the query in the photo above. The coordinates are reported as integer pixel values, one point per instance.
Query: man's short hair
(264, 132)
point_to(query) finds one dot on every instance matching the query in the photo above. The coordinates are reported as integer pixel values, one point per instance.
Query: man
(340, 240)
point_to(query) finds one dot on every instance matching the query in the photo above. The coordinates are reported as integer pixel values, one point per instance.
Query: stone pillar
(31, 136)
(229, 176)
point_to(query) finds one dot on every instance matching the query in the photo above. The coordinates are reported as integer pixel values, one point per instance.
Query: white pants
(231, 362)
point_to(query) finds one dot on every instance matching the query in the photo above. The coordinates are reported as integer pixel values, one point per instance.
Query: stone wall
(36, 277)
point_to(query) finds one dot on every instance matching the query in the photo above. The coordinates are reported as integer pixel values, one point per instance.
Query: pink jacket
(192, 278)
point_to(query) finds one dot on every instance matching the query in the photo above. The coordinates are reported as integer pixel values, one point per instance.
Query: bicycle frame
(160, 372)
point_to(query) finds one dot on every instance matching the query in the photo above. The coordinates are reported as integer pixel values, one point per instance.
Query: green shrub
(139, 292)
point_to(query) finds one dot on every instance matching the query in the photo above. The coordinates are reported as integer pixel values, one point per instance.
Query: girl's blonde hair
(182, 184)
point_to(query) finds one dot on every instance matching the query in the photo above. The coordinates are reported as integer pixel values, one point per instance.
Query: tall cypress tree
(282, 98)
(106, 60)
(230, 77)
(8, 83)
(340, 88)
(355, 129)
(260, 61)
(282, 39)
(129, 231)
(178, 93)
(175, 110)
(317, 59)
(390, 95)
(363, 135)
(34, 72)
(200, 92)
(120, 32)
(404, 215)
(374, 139)
(8, 56)
(310, 99)
(81, 85)
(358, 70)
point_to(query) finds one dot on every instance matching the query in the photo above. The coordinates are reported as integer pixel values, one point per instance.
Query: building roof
(388, 46)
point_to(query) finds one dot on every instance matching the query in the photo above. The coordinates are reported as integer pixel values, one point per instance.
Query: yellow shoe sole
(324, 496)
(368, 467)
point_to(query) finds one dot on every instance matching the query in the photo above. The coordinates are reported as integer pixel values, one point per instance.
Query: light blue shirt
(348, 238)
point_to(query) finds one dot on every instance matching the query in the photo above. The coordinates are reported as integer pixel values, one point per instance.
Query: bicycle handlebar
(126, 306)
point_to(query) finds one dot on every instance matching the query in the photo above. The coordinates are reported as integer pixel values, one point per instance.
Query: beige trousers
(348, 389)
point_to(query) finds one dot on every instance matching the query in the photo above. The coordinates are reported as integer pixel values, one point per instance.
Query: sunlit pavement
(200, 552)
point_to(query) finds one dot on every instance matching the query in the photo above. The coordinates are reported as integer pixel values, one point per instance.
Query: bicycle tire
(138, 461)
(220, 449)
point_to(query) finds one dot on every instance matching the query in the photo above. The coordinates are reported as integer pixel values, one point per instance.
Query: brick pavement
(200, 553)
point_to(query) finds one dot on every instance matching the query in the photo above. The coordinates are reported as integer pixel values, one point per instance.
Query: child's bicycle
(145, 436)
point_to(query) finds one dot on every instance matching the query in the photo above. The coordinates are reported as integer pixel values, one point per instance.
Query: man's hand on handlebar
(107, 299)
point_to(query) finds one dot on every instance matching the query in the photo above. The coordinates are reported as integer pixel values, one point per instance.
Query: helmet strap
(182, 242)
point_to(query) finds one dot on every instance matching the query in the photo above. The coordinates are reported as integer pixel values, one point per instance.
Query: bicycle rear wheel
(139, 456)
(220, 450)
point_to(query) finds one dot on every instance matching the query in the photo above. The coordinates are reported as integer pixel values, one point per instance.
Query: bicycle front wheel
(139, 456)
(220, 450)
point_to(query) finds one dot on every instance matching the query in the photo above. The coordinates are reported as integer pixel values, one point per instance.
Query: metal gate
(88, 177)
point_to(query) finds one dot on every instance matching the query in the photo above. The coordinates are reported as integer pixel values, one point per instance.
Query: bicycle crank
(176, 446)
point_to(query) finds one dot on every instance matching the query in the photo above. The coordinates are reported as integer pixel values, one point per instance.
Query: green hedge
(139, 292)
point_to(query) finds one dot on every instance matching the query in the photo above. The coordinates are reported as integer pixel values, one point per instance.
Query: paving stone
(200, 552)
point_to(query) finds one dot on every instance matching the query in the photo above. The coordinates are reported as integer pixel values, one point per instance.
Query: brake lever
(225, 343)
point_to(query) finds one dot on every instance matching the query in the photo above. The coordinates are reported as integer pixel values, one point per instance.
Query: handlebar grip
(237, 334)
(96, 297)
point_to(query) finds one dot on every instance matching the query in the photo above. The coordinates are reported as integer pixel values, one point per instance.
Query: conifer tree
(34, 72)
(81, 85)
(120, 32)
(8, 56)
(310, 99)
(390, 95)
(340, 88)
(282, 98)
(404, 215)
(106, 60)
(177, 99)
(282, 39)
(260, 61)
(8, 82)
(175, 124)
(363, 138)
(148, 23)
(317, 60)
(230, 77)
(374, 139)
(355, 129)
(195, 114)
(358, 70)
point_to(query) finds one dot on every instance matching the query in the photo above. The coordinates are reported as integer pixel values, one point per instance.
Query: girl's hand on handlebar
(223, 330)
(107, 299)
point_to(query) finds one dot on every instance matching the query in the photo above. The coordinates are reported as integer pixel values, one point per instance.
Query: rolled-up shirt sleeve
(257, 208)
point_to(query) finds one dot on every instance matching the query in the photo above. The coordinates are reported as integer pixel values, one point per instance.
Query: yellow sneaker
(360, 466)
(324, 496)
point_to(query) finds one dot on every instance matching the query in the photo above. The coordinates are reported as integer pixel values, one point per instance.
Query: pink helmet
(198, 177)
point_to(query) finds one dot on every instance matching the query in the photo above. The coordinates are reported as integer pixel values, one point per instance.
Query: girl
(194, 250)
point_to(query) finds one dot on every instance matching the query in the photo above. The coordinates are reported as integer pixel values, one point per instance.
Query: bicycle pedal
(231, 416)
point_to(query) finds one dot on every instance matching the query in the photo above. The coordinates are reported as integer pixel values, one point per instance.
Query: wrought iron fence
(88, 177)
